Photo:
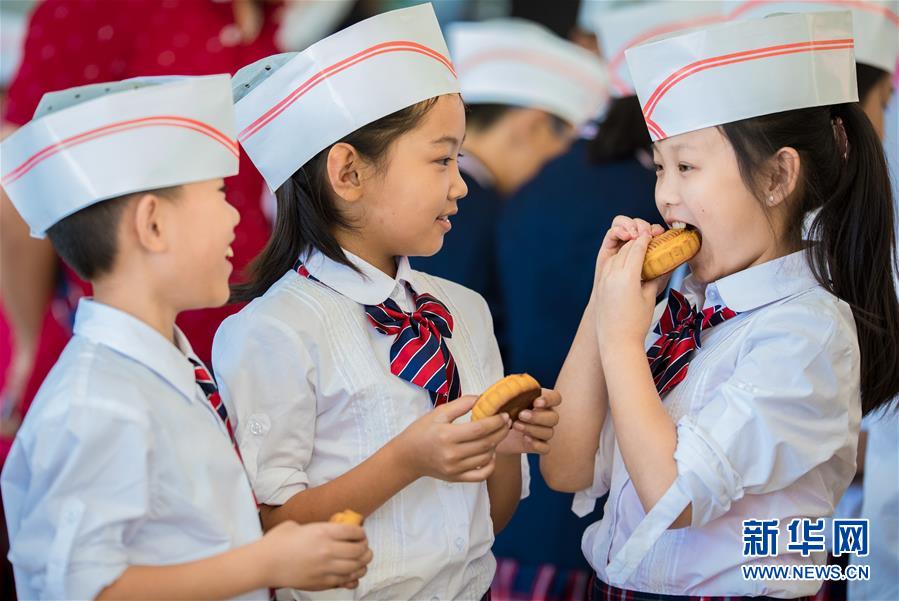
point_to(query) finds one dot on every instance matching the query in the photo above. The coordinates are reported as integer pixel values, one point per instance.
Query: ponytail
(853, 253)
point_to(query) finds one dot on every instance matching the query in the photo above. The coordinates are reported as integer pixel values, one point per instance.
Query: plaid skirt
(600, 591)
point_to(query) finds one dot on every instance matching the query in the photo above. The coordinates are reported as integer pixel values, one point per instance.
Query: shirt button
(255, 428)
(460, 542)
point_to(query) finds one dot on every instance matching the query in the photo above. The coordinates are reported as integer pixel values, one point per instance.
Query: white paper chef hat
(520, 63)
(743, 69)
(100, 141)
(293, 105)
(628, 26)
(875, 23)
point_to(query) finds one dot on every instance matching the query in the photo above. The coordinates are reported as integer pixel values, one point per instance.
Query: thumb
(454, 409)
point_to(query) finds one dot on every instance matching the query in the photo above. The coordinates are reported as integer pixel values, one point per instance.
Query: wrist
(398, 454)
(262, 560)
(620, 350)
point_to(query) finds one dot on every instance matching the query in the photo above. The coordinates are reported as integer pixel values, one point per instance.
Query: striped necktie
(207, 385)
(419, 353)
(679, 331)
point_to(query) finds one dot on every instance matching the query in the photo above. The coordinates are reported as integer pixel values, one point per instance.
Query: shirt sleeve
(791, 405)
(585, 501)
(70, 44)
(266, 380)
(78, 500)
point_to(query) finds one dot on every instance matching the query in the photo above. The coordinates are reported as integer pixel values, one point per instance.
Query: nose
(458, 187)
(667, 194)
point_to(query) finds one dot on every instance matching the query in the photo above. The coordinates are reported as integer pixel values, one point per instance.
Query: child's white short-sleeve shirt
(120, 461)
(767, 426)
(308, 379)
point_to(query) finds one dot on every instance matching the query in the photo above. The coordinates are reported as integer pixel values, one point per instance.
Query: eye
(445, 161)
(683, 167)
(659, 168)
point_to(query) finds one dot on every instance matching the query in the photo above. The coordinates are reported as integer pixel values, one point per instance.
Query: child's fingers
(474, 462)
(657, 229)
(478, 475)
(548, 398)
(345, 532)
(633, 260)
(536, 432)
(643, 227)
(540, 417)
(626, 223)
(537, 446)
(477, 430)
(349, 551)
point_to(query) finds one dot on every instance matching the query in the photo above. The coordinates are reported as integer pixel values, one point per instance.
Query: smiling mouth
(229, 254)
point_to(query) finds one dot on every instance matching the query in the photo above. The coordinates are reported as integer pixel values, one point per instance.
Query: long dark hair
(853, 254)
(307, 217)
(621, 134)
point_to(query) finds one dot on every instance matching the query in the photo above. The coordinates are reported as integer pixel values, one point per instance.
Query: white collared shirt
(120, 461)
(767, 426)
(308, 379)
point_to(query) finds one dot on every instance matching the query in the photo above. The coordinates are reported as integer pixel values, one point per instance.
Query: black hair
(853, 253)
(621, 134)
(87, 239)
(867, 77)
(481, 117)
(307, 216)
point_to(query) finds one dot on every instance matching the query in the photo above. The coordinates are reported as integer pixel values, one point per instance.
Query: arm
(504, 489)
(570, 465)
(431, 446)
(314, 557)
(582, 382)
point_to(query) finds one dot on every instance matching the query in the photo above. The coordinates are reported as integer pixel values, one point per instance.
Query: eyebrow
(449, 139)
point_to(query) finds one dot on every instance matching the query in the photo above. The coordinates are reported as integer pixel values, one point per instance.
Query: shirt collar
(370, 287)
(477, 170)
(133, 338)
(758, 285)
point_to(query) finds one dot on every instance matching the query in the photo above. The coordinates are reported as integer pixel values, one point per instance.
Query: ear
(344, 168)
(149, 220)
(785, 167)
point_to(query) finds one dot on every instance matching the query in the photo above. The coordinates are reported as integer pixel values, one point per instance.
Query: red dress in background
(78, 42)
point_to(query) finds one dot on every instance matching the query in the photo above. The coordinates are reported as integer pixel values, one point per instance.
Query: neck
(139, 302)
(357, 244)
(487, 150)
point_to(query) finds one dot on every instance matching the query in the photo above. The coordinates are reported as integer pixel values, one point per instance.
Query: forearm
(222, 576)
(646, 434)
(363, 489)
(504, 490)
(569, 465)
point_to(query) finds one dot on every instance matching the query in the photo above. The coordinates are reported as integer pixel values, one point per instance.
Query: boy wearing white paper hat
(350, 374)
(527, 92)
(123, 481)
(875, 25)
(719, 419)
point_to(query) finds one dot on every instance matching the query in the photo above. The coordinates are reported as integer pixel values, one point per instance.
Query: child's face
(200, 229)
(408, 206)
(698, 183)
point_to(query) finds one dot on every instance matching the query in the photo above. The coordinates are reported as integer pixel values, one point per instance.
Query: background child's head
(515, 142)
(126, 179)
(875, 89)
(528, 91)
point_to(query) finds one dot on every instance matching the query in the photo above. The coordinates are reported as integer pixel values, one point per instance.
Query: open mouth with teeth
(683, 225)
(229, 254)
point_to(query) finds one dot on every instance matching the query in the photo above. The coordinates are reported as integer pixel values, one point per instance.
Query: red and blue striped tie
(419, 353)
(207, 385)
(679, 331)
